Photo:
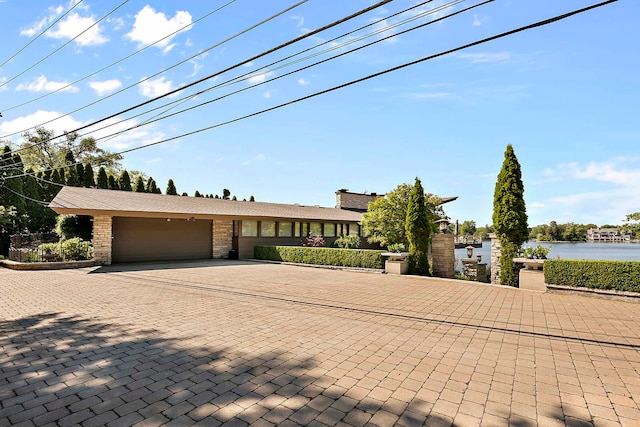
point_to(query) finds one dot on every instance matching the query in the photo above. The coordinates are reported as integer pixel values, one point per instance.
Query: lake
(569, 250)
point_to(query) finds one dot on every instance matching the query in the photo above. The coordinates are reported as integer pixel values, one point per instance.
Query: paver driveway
(245, 343)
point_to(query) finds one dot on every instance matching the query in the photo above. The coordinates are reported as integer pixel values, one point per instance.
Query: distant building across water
(603, 235)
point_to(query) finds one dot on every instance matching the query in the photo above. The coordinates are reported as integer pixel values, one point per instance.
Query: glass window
(354, 229)
(316, 229)
(305, 229)
(284, 229)
(296, 229)
(268, 229)
(250, 228)
(329, 230)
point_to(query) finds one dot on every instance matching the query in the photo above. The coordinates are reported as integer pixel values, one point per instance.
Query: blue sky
(565, 95)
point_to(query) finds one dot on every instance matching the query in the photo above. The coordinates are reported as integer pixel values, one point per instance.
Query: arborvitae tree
(184, 193)
(152, 187)
(509, 216)
(62, 176)
(103, 179)
(124, 182)
(418, 231)
(34, 210)
(12, 189)
(139, 187)
(80, 174)
(171, 188)
(72, 177)
(113, 183)
(217, 197)
(226, 194)
(88, 179)
(234, 198)
(197, 194)
(252, 199)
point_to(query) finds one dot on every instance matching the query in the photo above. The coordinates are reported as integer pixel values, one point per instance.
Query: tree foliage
(385, 220)
(632, 223)
(509, 215)
(124, 182)
(418, 231)
(171, 188)
(139, 186)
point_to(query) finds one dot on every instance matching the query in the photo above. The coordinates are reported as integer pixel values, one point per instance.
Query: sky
(566, 96)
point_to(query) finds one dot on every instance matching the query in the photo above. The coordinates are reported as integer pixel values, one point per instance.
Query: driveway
(243, 343)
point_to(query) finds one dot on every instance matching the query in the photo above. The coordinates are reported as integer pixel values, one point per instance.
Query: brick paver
(247, 343)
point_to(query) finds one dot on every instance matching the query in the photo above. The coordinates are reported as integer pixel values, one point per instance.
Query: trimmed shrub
(363, 258)
(613, 275)
(350, 241)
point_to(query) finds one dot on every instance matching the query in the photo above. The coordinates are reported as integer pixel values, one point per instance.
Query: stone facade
(222, 237)
(443, 255)
(354, 201)
(102, 236)
(495, 259)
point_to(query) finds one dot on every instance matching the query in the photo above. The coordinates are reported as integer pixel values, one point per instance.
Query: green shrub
(363, 258)
(76, 249)
(70, 226)
(614, 275)
(350, 241)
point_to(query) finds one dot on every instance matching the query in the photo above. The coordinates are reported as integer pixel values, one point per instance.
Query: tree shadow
(68, 370)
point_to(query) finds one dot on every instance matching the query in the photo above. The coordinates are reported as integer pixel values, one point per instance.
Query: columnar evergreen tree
(113, 183)
(124, 182)
(103, 179)
(152, 187)
(197, 194)
(34, 210)
(509, 216)
(226, 194)
(418, 231)
(252, 199)
(184, 193)
(139, 187)
(171, 188)
(88, 180)
(12, 188)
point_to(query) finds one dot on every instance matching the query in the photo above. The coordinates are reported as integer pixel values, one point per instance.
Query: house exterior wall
(222, 237)
(102, 236)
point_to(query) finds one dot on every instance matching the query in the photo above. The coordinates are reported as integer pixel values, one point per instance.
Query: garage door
(156, 239)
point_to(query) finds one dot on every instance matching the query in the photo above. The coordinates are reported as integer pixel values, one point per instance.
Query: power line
(121, 59)
(64, 45)
(41, 33)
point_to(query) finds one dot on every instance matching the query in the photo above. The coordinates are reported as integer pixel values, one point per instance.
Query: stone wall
(495, 259)
(354, 201)
(443, 255)
(102, 235)
(222, 237)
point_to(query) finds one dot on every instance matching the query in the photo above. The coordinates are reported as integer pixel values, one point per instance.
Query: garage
(160, 239)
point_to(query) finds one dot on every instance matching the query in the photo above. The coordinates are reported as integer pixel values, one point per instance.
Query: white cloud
(430, 95)
(135, 137)
(257, 158)
(153, 161)
(42, 84)
(30, 121)
(267, 94)
(259, 78)
(39, 25)
(303, 82)
(478, 20)
(106, 86)
(486, 57)
(154, 88)
(197, 63)
(151, 26)
(75, 24)
(300, 20)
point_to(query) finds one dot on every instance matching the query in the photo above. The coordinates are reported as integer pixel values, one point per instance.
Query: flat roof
(93, 201)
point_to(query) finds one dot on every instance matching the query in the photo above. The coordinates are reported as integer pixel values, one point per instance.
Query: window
(250, 228)
(354, 229)
(304, 229)
(316, 229)
(296, 229)
(268, 229)
(329, 230)
(284, 229)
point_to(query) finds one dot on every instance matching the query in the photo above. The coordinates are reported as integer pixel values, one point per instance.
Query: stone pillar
(102, 236)
(443, 255)
(495, 259)
(222, 237)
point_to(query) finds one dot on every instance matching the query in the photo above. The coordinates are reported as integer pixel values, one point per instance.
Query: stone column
(495, 259)
(222, 237)
(102, 236)
(443, 255)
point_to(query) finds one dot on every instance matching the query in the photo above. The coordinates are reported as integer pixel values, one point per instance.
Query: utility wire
(41, 33)
(64, 45)
(239, 64)
(60, 89)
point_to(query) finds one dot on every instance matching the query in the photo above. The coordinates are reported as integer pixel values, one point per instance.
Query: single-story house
(131, 227)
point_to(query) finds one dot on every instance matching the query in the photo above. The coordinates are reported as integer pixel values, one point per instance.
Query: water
(568, 250)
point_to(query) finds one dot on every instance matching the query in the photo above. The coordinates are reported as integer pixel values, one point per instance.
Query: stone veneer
(354, 201)
(495, 259)
(222, 237)
(443, 255)
(102, 236)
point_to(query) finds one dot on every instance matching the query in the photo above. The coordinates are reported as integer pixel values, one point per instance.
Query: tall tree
(113, 183)
(252, 199)
(509, 216)
(139, 187)
(171, 188)
(418, 231)
(12, 187)
(103, 179)
(152, 187)
(226, 194)
(197, 194)
(80, 173)
(34, 209)
(87, 177)
(124, 182)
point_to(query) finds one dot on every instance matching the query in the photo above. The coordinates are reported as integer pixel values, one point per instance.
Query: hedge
(613, 275)
(363, 258)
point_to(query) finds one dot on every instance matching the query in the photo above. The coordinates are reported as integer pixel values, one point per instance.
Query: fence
(47, 247)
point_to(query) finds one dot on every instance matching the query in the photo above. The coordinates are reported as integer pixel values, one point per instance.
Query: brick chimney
(357, 202)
